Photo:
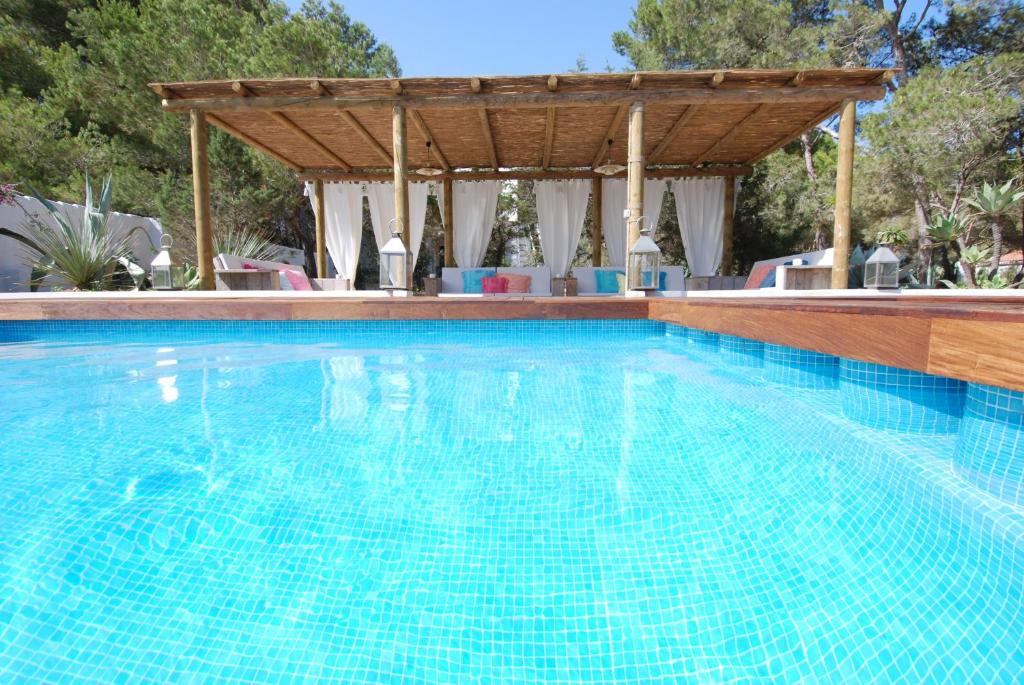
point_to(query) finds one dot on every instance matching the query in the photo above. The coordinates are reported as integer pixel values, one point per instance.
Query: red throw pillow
(494, 284)
(518, 283)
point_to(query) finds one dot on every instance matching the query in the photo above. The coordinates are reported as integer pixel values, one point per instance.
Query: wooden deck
(977, 340)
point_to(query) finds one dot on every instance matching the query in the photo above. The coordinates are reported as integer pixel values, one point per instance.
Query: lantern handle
(170, 241)
(398, 221)
(639, 220)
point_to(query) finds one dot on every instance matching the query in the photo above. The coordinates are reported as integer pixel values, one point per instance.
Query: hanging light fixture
(609, 168)
(429, 170)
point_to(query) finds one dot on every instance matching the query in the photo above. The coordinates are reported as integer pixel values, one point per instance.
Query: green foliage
(992, 201)
(89, 107)
(891, 236)
(946, 230)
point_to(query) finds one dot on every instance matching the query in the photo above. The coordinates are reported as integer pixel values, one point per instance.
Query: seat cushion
(494, 284)
(607, 281)
(297, 280)
(471, 280)
(518, 283)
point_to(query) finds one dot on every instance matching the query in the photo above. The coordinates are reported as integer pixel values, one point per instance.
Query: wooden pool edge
(968, 339)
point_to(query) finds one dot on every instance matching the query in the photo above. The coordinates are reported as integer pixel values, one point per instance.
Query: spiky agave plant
(84, 255)
(244, 242)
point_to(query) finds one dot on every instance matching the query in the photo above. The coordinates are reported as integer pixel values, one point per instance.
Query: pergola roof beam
(304, 135)
(673, 132)
(485, 125)
(795, 133)
(549, 137)
(421, 126)
(602, 149)
(528, 174)
(382, 151)
(730, 134)
(690, 96)
(214, 120)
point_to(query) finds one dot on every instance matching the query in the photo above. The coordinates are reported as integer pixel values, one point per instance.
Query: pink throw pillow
(250, 267)
(298, 280)
(494, 284)
(518, 283)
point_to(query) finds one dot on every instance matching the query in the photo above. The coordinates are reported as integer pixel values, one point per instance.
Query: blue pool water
(502, 502)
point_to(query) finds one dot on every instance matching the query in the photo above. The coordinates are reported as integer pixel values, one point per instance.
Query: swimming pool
(499, 502)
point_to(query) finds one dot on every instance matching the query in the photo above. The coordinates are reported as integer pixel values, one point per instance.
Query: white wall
(14, 257)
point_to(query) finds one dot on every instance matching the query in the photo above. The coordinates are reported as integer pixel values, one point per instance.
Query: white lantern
(644, 262)
(882, 269)
(167, 272)
(395, 262)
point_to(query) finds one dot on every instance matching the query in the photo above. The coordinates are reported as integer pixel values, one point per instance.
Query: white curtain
(343, 224)
(614, 200)
(475, 203)
(561, 209)
(700, 210)
(381, 198)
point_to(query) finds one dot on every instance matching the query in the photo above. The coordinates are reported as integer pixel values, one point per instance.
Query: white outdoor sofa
(586, 280)
(540, 280)
(231, 275)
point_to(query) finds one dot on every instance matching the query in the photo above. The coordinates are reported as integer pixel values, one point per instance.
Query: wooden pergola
(659, 124)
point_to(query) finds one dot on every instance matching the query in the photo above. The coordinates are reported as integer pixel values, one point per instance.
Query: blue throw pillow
(662, 275)
(607, 282)
(472, 279)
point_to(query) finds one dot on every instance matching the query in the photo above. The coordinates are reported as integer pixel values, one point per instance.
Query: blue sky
(489, 38)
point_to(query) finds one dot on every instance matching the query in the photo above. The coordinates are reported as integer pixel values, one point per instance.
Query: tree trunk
(968, 269)
(805, 140)
(924, 243)
(997, 243)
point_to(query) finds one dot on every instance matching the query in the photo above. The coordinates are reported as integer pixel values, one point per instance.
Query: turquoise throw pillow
(661, 279)
(607, 282)
(472, 279)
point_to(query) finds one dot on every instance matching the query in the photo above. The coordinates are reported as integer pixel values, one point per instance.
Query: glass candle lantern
(167, 271)
(644, 263)
(882, 269)
(395, 262)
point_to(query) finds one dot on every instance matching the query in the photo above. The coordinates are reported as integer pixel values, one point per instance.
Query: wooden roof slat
(602, 150)
(549, 137)
(350, 119)
(485, 125)
(305, 135)
(794, 133)
(732, 133)
(214, 120)
(421, 126)
(673, 132)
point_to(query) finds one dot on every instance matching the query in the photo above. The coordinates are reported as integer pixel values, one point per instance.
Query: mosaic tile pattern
(990, 448)
(452, 502)
(900, 399)
(800, 368)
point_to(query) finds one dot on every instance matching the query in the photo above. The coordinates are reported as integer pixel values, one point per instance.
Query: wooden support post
(844, 195)
(635, 178)
(401, 155)
(596, 200)
(201, 195)
(727, 221)
(321, 231)
(447, 220)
